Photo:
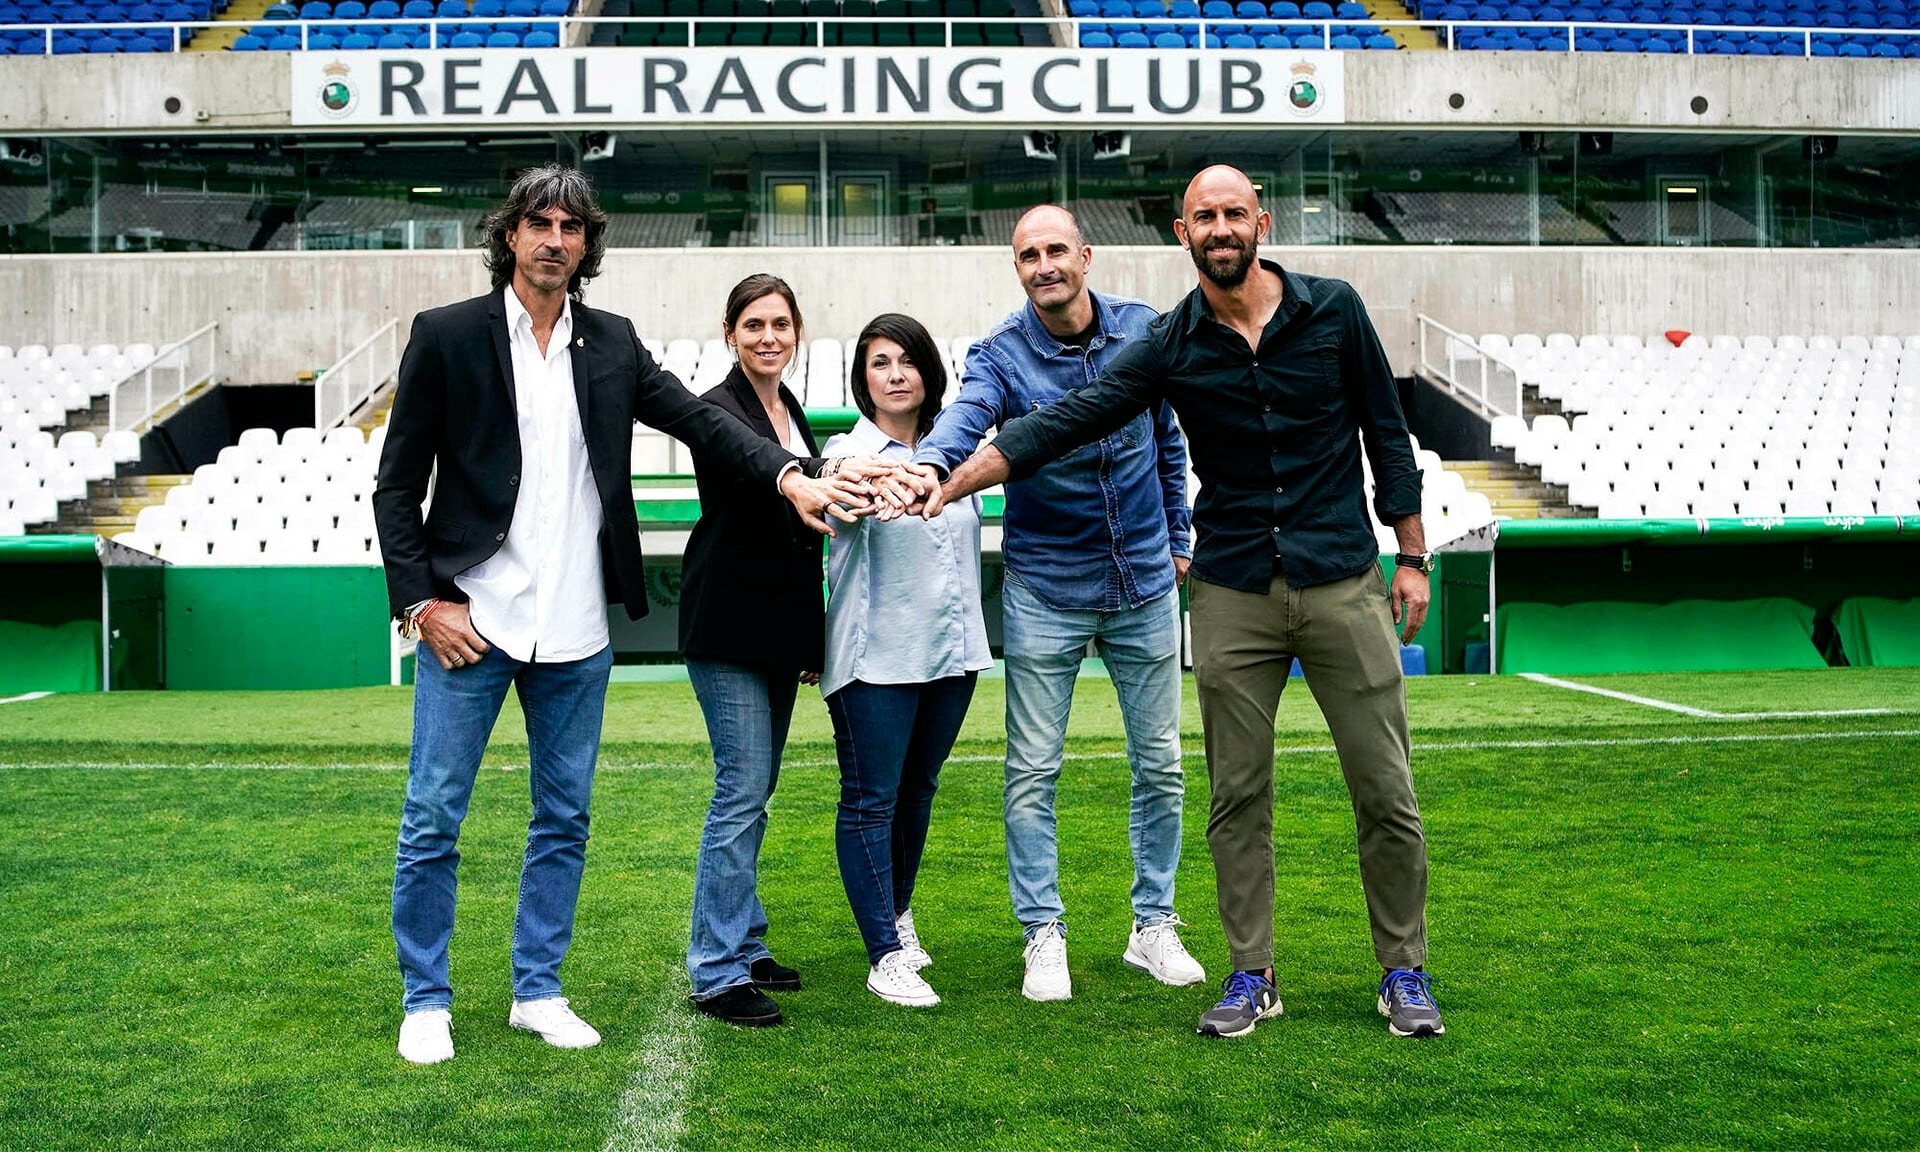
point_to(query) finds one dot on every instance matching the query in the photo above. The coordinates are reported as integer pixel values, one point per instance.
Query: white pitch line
(653, 1109)
(24, 698)
(1702, 713)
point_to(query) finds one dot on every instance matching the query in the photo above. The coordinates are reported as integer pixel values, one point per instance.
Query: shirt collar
(517, 314)
(1296, 295)
(1045, 343)
(866, 439)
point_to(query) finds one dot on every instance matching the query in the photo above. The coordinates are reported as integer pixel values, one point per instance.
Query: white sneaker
(910, 940)
(426, 1036)
(1156, 950)
(1046, 955)
(895, 980)
(554, 1022)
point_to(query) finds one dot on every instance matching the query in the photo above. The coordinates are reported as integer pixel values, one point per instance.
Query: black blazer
(454, 420)
(751, 587)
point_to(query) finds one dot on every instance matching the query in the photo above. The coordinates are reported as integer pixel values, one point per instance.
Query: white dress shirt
(542, 597)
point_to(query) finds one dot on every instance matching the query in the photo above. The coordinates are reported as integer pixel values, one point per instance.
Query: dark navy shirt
(1275, 432)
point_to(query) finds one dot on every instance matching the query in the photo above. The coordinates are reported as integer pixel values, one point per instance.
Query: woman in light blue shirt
(905, 639)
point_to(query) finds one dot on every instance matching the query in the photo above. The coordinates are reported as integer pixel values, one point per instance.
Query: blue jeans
(1141, 648)
(747, 711)
(453, 714)
(892, 740)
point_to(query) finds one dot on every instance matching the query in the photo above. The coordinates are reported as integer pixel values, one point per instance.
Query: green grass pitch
(1649, 929)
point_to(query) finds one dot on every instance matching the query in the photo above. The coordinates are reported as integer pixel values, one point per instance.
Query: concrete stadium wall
(219, 91)
(281, 313)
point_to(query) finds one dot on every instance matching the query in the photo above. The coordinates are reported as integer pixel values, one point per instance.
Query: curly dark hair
(917, 343)
(537, 190)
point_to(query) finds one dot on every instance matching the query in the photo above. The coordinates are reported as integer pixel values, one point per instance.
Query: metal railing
(175, 370)
(352, 380)
(1489, 381)
(1067, 29)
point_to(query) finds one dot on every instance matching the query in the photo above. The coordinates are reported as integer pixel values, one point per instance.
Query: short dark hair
(537, 190)
(753, 288)
(914, 340)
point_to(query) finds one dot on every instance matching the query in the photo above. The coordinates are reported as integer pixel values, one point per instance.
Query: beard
(1230, 275)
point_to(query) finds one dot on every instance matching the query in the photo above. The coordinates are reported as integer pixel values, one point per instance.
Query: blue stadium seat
(503, 40)
(417, 10)
(1347, 43)
(1149, 10)
(393, 41)
(319, 40)
(1239, 41)
(383, 10)
(1169, 40)
(1095, 36)
(451, 10)
(357, 41)
(1216, 10)
(539, 39)
(1250, 10)
(1348, 10)
(1381, 42)
(1284, 10)
(1317, 10)
(1279, 40)
(316, 10)
(248, 42)
(349, 10)
(1116, 10)
(465, 39)
(1308, 40)
(1083, 9)
(285, 42)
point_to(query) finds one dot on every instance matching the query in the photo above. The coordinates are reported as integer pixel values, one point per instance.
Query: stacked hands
(851, 487)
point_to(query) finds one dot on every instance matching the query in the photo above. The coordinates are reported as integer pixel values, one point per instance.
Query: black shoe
(770, 973)
(742, 1004)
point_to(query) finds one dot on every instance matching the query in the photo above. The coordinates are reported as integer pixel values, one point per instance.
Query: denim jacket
(1095, 530)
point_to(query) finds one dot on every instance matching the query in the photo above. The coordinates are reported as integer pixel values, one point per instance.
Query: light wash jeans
(453, 714)
(747, 711)
(1141, 648)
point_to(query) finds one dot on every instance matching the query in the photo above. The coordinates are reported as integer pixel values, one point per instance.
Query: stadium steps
(1420, 38)
(112, 506)
(238, 17)
(1533, 404)
(1516, 490)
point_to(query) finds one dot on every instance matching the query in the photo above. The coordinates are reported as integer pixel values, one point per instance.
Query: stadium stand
(1731, 426)
(1248, 24)
(1736, 28)
(844, 22)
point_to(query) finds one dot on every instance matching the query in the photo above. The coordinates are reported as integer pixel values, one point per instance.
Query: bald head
(1216, 181)
(1048, 218)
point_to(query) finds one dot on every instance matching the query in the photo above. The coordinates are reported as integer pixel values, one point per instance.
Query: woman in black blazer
(752, 628)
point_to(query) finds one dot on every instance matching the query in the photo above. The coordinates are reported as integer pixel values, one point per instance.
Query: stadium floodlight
(596, 145)
(1111, 145)
(23, 152)
(1041, 145)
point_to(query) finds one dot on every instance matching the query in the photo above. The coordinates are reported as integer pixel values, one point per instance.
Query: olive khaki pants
(1243, 646)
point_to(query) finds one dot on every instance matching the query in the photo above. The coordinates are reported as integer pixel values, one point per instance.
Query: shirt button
(1278, 491)
(1266, 407)
(1276, 530)
(498, 536)
(513, 479)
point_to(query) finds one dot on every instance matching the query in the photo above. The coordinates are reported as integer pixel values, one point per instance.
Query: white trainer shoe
(426, 1036)
(1046, 955)
(1156, 950)
(552, 1021)
(895, 980)
(910, 940)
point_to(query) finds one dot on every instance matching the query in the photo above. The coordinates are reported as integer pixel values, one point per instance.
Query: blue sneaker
(1406, 1000)
(1248, 999)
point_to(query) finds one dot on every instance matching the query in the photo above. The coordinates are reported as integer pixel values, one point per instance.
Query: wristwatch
(1422, 561)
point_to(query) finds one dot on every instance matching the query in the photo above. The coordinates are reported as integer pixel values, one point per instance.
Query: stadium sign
(953, 86)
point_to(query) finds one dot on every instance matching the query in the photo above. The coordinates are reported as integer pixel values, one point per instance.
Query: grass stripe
(653, 1108)
(24, 698)
(1191, 754)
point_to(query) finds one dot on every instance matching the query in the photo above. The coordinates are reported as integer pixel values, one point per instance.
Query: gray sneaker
(1406, 1000)
(1248, 998)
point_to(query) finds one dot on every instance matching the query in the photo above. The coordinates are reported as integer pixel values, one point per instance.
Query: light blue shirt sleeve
(961, 425)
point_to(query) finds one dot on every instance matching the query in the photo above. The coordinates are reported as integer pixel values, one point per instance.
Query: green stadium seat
(857, 35)
(961, 9)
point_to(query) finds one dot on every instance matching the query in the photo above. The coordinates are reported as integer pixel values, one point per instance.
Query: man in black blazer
(517, 409)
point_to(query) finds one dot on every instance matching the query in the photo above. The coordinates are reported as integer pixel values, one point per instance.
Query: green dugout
(1595, 596)
(78, 614)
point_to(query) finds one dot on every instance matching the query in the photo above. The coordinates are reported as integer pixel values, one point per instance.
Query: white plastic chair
(261, 443)
(123, 446)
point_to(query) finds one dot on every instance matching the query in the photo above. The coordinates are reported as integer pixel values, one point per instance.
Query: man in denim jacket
(1096, 545)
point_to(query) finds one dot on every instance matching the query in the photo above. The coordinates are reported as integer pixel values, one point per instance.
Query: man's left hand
(816, 500)
(1180, 566)
(1409, 598)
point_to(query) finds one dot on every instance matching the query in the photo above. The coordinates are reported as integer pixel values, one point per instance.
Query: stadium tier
(1761, 28)
(1750, 427)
